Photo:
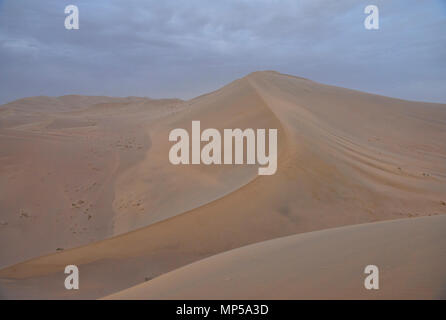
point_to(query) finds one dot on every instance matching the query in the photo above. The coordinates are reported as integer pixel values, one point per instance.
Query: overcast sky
(186, 48)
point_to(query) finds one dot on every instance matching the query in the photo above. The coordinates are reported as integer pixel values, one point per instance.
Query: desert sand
(87, 181)
(327, 264)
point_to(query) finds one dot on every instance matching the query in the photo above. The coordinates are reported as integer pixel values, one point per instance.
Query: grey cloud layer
(185, 48)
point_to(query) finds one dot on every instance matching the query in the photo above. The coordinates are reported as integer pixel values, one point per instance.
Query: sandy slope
(327, 264)
(59, 159)
(345, 157)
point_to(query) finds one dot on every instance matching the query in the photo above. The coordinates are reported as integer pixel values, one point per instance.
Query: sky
(166, 49)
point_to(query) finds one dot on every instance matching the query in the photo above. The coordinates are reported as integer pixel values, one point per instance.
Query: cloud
(185, 48)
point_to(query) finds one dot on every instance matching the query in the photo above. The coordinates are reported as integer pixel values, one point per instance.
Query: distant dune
(87, 181)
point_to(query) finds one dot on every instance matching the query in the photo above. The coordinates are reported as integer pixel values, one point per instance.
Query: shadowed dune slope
(410, 255)
(345, 157)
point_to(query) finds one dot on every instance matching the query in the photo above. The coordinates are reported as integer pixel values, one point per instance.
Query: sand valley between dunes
(361, 179)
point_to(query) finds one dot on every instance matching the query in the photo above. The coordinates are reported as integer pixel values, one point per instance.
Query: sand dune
(58, 168)
(328, 264)
(345, 157)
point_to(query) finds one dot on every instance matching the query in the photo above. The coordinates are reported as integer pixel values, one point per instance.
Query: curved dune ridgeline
(411, 254)
(344, 158)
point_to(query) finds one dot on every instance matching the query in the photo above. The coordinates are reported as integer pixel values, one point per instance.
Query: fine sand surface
(59, 160)
(327, 264)
(91, 176)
